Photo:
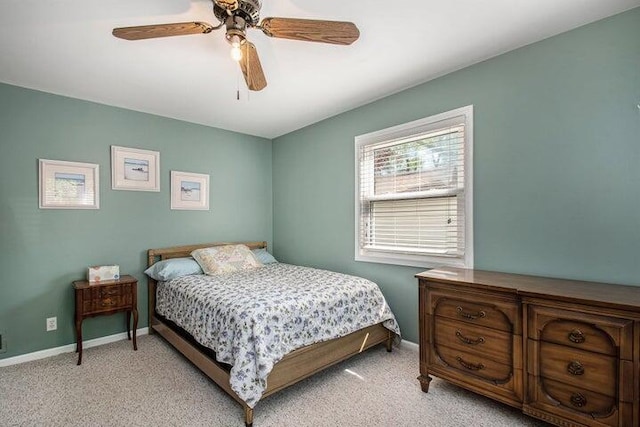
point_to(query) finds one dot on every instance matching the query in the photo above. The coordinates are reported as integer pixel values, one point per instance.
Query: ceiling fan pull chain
(237, 85)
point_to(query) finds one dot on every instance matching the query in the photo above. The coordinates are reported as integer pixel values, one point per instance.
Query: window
(414, 192)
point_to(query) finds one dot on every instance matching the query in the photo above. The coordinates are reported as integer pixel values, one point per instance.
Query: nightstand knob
(108, 302)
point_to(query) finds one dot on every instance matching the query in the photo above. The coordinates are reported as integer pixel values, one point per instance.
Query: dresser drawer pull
(575, 368)
(479, 340)
(470, 316)
(578, 400)
(576, 336)
(469, 366)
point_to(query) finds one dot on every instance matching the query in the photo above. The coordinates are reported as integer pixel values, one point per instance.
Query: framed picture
(135, 169)
(69, 185)
(189, 191)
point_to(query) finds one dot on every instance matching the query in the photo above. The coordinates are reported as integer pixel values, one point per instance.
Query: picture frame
(135, 169)
(189, 191)
(68, 185)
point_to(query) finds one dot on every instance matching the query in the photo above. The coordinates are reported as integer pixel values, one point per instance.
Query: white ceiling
(66, 47)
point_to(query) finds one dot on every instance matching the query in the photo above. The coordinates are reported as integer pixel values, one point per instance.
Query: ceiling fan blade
(334, 32)
(251, 68)
(162, 30)
(227, 4)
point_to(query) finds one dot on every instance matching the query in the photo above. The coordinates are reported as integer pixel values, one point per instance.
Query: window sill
(415, 260)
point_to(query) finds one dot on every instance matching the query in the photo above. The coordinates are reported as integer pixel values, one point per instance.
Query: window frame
(407, 131)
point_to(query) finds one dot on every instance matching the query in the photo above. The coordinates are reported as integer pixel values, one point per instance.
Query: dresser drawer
(574, 406)
(600, 334)
(495, 316)
(581, 369)
(473, 339)
(473, 364)
(586, 401)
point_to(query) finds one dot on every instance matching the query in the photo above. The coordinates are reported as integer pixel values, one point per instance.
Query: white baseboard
(410, 345)
(70, 348)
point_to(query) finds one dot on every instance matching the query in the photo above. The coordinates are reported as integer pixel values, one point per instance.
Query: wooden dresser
(567, 352)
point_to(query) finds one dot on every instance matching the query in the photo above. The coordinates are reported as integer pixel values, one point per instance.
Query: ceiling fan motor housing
(249, 10)
(236, 31)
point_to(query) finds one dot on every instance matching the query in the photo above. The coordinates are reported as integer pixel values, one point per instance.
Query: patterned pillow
(225, 259)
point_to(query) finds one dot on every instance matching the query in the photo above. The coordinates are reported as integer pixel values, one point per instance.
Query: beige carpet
(156, 386)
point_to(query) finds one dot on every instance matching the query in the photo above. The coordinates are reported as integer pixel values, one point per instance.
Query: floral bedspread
(253, 318)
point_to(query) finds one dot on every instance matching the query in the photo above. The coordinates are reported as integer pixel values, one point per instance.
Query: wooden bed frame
(295, 366)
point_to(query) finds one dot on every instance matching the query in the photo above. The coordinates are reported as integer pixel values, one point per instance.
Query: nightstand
(103, 298)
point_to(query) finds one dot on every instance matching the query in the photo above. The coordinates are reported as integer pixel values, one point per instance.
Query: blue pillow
(264, 256)
(172, 268)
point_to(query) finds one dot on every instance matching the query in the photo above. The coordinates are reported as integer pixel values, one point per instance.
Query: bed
(253, 370)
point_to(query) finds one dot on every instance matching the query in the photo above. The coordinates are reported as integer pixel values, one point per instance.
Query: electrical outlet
(52, 323)
(3, 343)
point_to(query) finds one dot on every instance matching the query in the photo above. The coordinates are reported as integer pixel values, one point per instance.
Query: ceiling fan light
(235, 40)
(236, 52)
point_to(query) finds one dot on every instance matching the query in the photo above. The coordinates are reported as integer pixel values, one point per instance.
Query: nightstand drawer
(105, 298)
(106, 304)
(484, 342)
(104, 292)
(582, 369)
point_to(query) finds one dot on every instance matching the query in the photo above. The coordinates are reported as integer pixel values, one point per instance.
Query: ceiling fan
(239, 15)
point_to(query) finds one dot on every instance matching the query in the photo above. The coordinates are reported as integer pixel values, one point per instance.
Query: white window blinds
(412, 201)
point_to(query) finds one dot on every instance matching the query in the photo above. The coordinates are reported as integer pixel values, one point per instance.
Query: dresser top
(608, 295)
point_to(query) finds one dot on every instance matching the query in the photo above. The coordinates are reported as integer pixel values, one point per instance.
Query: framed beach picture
(68, 185)
(189, 191)
(135, 169)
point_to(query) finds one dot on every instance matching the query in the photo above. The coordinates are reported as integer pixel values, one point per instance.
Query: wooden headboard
(155, 255)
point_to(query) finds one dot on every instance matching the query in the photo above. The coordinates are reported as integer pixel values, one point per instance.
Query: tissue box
(100, 273)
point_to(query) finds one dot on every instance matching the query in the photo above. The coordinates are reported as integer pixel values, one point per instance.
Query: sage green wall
(42, 251)
(556, 169)
(557, 182)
